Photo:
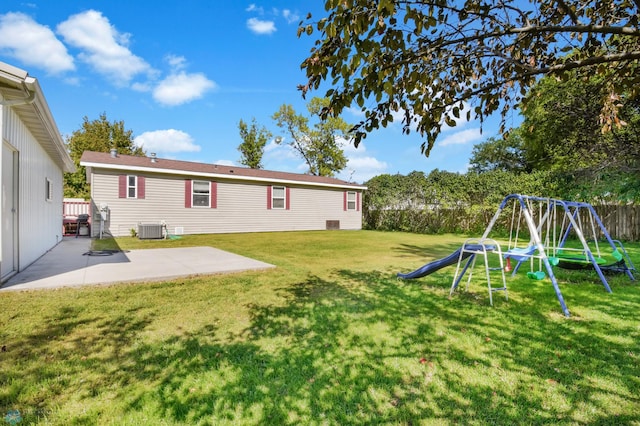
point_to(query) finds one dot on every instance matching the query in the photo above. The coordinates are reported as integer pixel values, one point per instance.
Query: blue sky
(182, 74)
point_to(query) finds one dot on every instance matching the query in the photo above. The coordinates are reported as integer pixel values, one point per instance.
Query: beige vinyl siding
(39, 220)
(241, 207)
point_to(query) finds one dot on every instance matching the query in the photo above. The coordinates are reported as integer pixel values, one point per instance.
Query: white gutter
(20, 77)
(215, 175)
(29, 97)
(33, 96)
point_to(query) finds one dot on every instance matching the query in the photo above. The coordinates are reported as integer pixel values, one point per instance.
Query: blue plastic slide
(452, 259)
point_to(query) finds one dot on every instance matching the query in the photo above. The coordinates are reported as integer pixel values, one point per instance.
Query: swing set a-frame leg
(457, 278)
(538, 242)
(556, 287)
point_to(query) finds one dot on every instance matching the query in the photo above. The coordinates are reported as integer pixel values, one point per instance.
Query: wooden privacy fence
(622, 222)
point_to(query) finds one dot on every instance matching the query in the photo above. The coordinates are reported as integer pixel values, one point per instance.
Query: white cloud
(283, 158)
(258, 26)
(225, 163)
(361, 169)
(176, 62)
(72, 81)
(33, 44)
(103, 47)
(356, 111)
(290, 16)
(463, 137)
(166, 141)
(141, 87)
(177, 89)
(349, 148)
(253, 8)
(360, 166)
(281, 151)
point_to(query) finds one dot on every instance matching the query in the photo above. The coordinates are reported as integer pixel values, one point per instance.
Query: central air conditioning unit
(149, 231)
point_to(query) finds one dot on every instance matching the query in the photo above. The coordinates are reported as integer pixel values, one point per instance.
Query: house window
(48, 185)
(201, 193)
(351, 200)
(132, 186)
(278, 197)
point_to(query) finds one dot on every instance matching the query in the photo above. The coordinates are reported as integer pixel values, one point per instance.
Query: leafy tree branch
(421, 60)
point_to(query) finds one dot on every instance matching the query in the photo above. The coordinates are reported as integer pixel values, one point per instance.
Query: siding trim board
(287, 198)
(269, 192)
(213, 195)
(187, 193)
(122, 186)
(141, 188)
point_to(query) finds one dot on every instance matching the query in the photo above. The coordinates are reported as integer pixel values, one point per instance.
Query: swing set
(545, 230)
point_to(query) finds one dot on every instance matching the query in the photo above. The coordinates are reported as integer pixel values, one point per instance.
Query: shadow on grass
(355, 348)
(432, 251)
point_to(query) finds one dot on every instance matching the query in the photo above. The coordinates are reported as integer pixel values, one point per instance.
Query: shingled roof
(91, 159)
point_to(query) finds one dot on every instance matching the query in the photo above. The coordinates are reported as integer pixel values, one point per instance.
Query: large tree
(562, 131)
(319, 145)
(99, 135)
(254, 140)
(432, 61)
(500, 154)
(562, 127)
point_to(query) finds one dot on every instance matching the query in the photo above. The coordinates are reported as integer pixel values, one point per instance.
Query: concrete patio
(71, 263)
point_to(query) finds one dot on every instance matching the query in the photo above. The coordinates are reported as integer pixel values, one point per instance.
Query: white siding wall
(241, 207)
(39, 220)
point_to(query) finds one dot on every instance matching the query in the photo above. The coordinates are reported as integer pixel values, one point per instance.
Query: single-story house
(138, 194)
(34, 159)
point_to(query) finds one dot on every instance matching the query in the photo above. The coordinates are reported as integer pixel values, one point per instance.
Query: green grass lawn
(330, 336)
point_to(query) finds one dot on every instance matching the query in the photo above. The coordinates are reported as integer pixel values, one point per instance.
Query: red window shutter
(288, 200)
(122, 186)
(268, 197)
(214, 195)
(141, 187)
(357, 201)
(187, 193)
(345, 201)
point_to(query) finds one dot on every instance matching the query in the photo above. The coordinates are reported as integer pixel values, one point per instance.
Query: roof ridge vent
(154, 159)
